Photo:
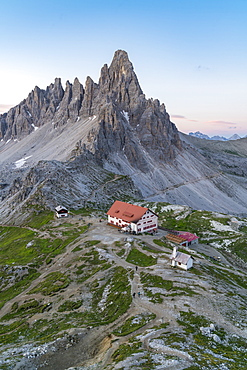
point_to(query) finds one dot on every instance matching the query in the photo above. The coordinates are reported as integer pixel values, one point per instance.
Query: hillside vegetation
(76, 292)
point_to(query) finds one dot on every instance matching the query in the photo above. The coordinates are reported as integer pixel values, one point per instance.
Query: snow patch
(35, 127)
(21, 162)
(126, 115)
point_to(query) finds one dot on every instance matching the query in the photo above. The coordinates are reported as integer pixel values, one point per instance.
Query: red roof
(126, 211)
(187, 236)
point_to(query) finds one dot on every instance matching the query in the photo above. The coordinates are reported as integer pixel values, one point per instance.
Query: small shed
(183, 238)
(61, 211)
(181, 260)
(189, 237)
(176, 239)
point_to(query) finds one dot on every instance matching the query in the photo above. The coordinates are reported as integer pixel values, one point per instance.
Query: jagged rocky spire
(124, 116)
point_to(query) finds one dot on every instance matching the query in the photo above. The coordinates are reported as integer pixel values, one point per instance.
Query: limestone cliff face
(126, 121)
(129, 122)
(41, 106)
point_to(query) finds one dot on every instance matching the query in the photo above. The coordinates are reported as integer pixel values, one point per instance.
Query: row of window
(145, 222)
(148, 227)
(147, 216)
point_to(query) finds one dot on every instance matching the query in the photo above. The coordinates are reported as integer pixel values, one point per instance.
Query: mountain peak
(121, 56)
(235, 137)
(121, 64)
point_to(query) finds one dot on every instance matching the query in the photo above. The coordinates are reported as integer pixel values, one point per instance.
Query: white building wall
(181, 265)
(61, 215)
(195, 241)
(190, 263)
(117, 221)
(133, 227)
(147, 222)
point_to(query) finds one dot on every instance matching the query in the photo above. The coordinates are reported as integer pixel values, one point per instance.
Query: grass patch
(18, 286)
(69, 306)
(141, 259)
(192, 322)
(149, 248)
(226, 276)
(155, 281)
(90, 243)
(239, 248)
(11, 327)
(112, 299)
(77, 249)
(13, 245)
(161, 243)
(27, 309)
(175, 291)
(38, 219)
(92, 263)
(121, 252)
(53, 283)
(149, 280)
(134, 323)
(126, 350)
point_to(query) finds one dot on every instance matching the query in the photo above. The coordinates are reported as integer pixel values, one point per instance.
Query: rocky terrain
(227, 157)
(77, 294)
(61, 145)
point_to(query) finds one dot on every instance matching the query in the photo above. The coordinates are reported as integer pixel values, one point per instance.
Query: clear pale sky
(189, 54)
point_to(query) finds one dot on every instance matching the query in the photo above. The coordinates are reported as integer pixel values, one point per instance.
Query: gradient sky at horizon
(189, 54)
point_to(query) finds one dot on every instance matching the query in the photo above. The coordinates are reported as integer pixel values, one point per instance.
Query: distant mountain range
(200, 135)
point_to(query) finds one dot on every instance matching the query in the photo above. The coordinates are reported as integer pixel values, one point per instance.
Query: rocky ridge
(118, 103)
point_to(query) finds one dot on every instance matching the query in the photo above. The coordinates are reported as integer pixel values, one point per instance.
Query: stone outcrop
(74, 184)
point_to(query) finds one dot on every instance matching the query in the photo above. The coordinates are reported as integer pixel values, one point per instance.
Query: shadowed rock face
(126, 120)
(128, 123)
